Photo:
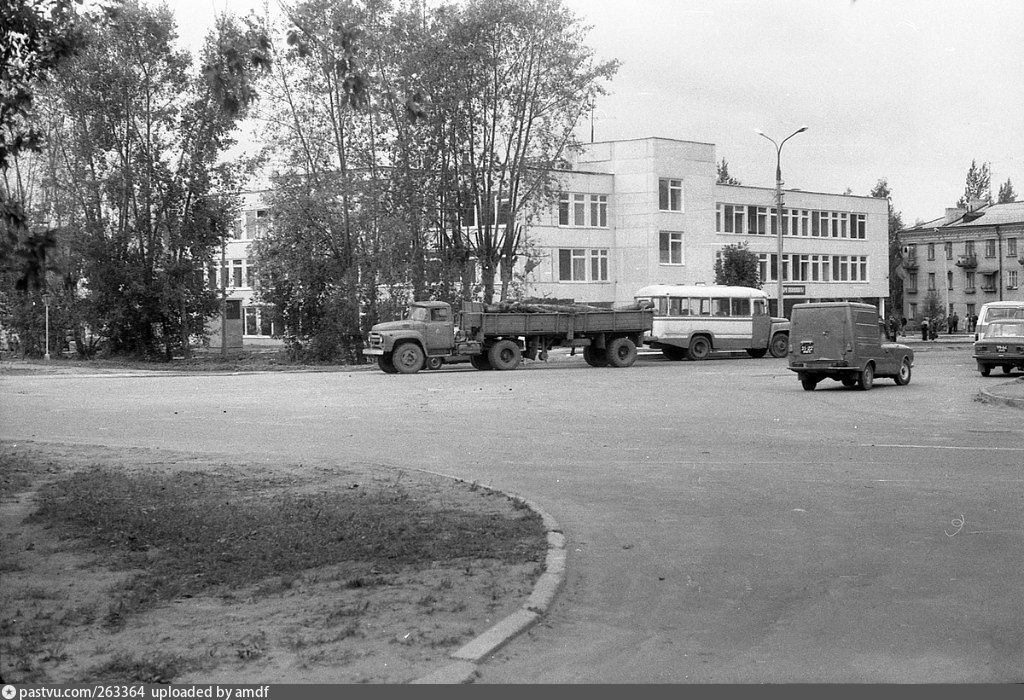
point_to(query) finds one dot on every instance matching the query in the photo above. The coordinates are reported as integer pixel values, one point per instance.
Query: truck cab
(421, 339)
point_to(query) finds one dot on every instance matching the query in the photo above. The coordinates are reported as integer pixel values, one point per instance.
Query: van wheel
(504, 355)
(408, 358)
(621, 352)
(595, 357)
(699, 348)
(780, 345)
(903, 378)
(808, 383)
(867, 377)
(849, 381)
(1007, 369)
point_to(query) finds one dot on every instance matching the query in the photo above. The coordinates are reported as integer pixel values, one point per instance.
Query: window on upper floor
(670, 248)
(583, 265)
(990, 248)
(1011, 247)
(670, 195)
(583, 210)
(948, 246)
(931, 251)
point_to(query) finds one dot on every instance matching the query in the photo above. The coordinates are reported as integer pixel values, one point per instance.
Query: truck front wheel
(780, 345)
(408, 358)
(504, 355)
(621, 352)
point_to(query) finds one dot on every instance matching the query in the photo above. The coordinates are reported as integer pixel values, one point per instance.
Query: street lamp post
(778, 206)
(46, 304)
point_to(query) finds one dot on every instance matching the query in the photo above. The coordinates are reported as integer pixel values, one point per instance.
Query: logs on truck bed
(522, 307)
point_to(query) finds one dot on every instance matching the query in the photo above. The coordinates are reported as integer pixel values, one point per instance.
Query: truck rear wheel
(408, 358)
(504, 355)
(386, 364)
(595, 357)
(480, 362)
(621, 352)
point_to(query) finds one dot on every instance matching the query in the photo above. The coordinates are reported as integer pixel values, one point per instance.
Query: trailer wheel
(621, 352)
(780, 345)
(386, 364)
(505, 355)
(480, 362)
(408, 358)
(595, 357)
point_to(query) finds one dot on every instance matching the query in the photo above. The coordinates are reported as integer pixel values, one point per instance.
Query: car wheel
(780, 345)
(699, 348)
(808, 383)
(866, 380)
(1007, 369)
(621, 352)
(985, 370)
(849, 381)
(408, 358)
(903, 378)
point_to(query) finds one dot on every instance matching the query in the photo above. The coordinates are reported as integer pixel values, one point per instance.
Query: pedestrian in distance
(903, 326)
(924, 329)
(956, 322)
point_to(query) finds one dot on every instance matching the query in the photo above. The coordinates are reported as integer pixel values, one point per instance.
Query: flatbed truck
(499, 337)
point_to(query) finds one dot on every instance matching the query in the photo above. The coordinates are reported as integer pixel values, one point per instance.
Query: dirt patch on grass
(139, 565)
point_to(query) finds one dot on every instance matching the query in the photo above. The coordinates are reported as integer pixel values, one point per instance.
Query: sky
(907, 90)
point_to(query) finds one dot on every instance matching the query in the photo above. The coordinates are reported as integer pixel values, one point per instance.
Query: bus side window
(684, 306)
(705, 307)
(741, 307)
(759, 307)
(673, 306)
(721, 307)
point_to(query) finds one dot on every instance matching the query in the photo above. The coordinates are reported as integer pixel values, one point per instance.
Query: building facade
(649, 211)
(962, 260)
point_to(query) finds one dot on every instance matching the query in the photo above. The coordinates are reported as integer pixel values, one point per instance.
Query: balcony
(1021, 260)
(967, 261)
(910, 263)
(988, 288)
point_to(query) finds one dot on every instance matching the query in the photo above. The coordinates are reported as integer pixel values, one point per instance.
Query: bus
(692, 321)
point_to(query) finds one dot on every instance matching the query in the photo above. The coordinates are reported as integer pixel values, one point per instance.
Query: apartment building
(649, 211)
(965, 258)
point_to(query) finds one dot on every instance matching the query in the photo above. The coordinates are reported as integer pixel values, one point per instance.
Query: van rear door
(819, 334)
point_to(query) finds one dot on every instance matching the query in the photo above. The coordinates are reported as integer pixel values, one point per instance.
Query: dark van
(843, 340)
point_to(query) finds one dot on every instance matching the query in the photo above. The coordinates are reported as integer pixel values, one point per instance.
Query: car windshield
(1002, 329)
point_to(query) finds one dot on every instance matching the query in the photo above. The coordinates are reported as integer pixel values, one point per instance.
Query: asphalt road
(722, 524)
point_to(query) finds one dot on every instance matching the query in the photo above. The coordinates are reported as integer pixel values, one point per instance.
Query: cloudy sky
(907, 90)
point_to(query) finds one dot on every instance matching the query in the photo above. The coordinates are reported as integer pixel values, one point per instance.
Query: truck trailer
(498, 337)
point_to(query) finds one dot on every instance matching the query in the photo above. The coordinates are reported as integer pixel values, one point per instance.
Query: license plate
(806, 347)
(1002, 348)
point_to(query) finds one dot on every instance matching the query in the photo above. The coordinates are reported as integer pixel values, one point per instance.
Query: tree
(978, 185)
(136, 184)
(724, 178)
(738, 265)
(1006, 193)
(881, 190)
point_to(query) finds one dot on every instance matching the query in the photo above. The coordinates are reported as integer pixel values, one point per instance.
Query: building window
(990, 248)
(757, 220)
(931, 281)
(573, 264)
(670, 195)
(949, 279)
(931, 251)
(858, 226)
(1011, 247)
(913, 310)
(912, 283)
(948, 245)
(969, 283)
(968, 247)
(257, 222)
(583, 210)
(1011, 279)
(670, 247)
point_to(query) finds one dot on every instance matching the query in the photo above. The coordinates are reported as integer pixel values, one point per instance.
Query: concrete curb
(465, 660)
(991, 396)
